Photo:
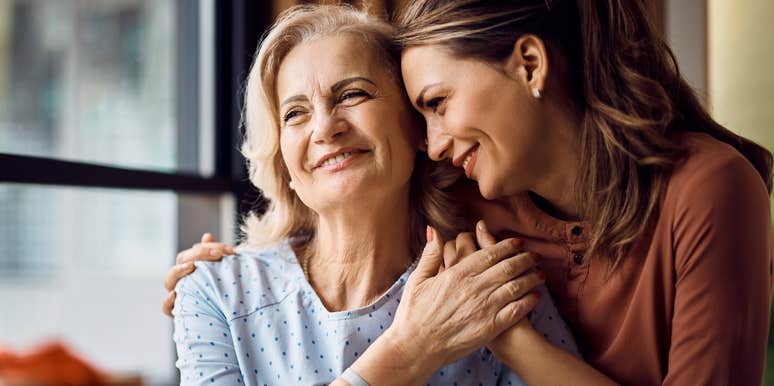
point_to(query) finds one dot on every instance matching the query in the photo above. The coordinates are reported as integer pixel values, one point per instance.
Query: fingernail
(481, 226)
(214, 252)
(516, 243)
(429, 233)
(230, 250)
(188, 265)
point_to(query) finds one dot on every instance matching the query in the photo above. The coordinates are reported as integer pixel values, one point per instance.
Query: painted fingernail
(214, 252)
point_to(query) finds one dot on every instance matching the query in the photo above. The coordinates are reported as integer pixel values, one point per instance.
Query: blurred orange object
(52, 364)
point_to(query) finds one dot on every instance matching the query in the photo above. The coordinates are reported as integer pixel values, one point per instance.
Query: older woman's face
(346, 131)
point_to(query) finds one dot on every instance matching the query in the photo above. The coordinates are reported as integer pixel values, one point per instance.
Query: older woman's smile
(339, 159)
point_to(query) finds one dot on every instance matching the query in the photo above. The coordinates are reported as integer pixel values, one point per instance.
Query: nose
(439, 145)
(326, 127)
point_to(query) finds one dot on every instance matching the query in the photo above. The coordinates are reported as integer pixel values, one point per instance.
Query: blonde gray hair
(286, 217)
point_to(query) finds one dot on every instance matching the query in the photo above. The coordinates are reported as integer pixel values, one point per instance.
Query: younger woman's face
(482, 117)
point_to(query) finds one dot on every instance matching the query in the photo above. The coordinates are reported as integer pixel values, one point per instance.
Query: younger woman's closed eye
(435, 104)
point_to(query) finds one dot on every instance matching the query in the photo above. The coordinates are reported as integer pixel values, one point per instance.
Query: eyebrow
(334, 89)
(344, 82)
(294, 98)
(420, 101)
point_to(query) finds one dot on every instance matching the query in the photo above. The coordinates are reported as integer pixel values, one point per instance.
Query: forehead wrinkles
(326, 60)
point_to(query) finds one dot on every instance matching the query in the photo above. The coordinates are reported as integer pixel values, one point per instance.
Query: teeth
(336, 159)
(467, 160)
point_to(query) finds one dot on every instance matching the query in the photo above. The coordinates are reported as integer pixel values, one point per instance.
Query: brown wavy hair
(623, 79)
(286, 217)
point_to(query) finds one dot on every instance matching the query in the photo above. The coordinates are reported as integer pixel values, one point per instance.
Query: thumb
(483, 237)
(432, 255)
(208, 238)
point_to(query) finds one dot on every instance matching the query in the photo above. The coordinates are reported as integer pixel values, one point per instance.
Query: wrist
(394, 359)
(519, 335)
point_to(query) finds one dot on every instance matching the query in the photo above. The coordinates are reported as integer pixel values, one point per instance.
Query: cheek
(292, 154)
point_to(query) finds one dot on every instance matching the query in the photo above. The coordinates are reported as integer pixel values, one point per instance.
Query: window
(115, 154)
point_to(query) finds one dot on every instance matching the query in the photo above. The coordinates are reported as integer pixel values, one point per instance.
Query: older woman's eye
(290, 115)
(435, 103)
(353, 96)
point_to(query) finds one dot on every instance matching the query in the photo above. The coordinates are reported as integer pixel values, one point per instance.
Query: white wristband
(353, 378)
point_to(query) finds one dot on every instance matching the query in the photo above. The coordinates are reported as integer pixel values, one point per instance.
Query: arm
(535, 359)
(722, 234)
(445, 315)
(539, 362)
(386, 364)
(205, 349)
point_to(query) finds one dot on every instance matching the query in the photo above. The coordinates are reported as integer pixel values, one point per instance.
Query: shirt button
(577, 258)
(576, 230)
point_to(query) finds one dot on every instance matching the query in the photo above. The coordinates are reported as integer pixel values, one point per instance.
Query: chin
(488, 191)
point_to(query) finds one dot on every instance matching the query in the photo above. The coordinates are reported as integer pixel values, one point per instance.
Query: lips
(467, 160)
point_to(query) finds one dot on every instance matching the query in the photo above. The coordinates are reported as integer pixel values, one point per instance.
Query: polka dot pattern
(253, 319)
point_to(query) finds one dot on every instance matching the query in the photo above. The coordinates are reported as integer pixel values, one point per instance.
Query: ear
(528, 62)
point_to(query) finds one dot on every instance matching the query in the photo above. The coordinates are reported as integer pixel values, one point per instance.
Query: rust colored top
(690, 306)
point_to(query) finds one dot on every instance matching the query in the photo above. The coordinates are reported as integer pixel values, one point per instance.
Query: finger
(517, 288)
(176, 273)
(484, 238)
(510, 268)
(515, 311)
(169, 303)
(466, 245)
(205, 252)
(222, 248)
(485, 258)
(432, 255)
(449, 253)
(208, 238)
(197, 252)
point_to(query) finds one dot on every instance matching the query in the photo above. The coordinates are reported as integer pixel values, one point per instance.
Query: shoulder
(716, 207)
(244, 282)
(712, 174)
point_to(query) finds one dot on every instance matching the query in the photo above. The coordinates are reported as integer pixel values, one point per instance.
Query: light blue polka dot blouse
(254, 319)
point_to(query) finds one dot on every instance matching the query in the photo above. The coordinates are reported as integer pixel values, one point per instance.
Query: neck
(358, 252)
(556, 185)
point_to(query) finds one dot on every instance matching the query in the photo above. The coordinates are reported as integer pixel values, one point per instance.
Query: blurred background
(118, 147)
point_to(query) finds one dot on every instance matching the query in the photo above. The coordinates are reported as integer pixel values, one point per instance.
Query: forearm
(538, 362)
(387, 362)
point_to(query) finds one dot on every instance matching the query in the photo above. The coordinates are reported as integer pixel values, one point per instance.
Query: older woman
(328, 284)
